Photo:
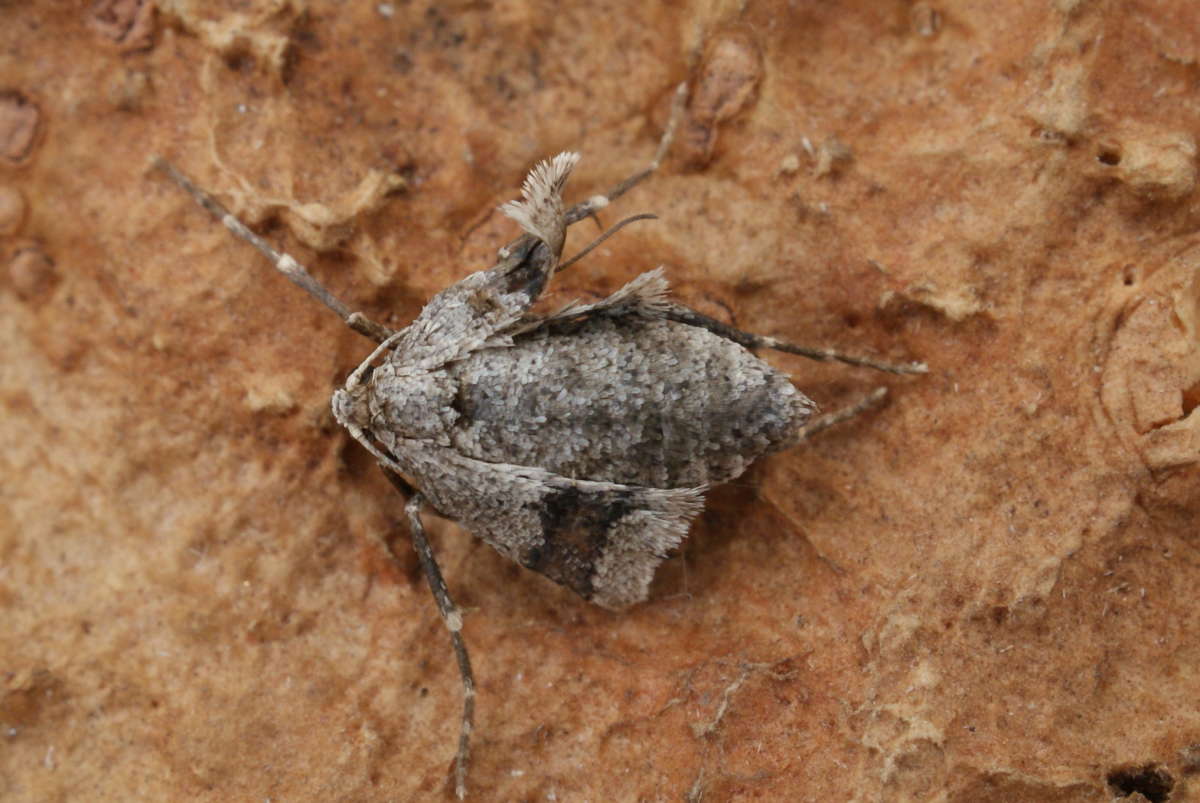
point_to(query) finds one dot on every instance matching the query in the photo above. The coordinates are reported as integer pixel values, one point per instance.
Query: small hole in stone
(239, 61)
(1191, 399)
(1149, 780)
(1108, 156)
(851, 320)
(1130, 276)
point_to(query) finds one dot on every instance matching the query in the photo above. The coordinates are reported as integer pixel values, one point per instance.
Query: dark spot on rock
(1151, 781)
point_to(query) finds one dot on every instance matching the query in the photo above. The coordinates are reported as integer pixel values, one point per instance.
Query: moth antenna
(540, 212)
(591, 246)
(283, 262)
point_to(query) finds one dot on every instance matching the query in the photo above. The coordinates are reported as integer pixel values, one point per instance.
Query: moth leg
(450, 616)
(283, 262)
(682, 314)
(594, 204)
(824, 422)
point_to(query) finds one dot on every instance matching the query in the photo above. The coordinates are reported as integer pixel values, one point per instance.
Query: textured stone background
(985, 591)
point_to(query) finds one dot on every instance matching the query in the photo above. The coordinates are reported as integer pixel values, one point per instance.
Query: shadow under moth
(578, 444)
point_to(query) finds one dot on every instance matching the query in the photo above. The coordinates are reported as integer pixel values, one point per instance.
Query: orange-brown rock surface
(986, 590)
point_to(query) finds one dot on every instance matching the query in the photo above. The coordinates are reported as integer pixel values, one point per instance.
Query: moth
(578, 444)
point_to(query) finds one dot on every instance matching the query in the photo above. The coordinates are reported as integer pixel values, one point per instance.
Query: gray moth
(578, 444)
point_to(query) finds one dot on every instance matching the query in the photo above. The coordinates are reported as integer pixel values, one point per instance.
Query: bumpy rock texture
(985, 591)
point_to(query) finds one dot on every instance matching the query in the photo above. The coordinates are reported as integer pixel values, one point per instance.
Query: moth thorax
(414, 405)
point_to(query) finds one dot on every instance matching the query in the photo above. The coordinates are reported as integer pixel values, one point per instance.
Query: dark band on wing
(575, 534)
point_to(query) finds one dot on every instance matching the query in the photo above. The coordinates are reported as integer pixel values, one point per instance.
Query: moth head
(540, 210)
(350, 407)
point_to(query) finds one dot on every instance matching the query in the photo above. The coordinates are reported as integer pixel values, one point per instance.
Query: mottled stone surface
(985, 591)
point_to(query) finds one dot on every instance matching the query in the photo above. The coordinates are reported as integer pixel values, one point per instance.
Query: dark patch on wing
(575, 533)
(530, 273)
